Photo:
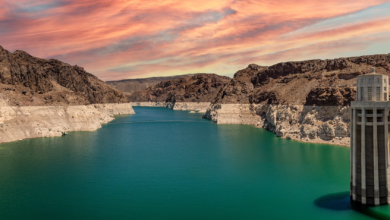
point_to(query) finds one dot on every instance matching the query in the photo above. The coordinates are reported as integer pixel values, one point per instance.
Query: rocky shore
(312, 124)
(23, 122)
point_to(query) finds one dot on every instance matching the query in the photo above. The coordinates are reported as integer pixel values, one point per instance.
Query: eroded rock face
(331, 96)
(240, 88)
(308, 123)
(26, 80)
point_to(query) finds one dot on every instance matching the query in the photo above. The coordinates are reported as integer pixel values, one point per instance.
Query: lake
(164, 164)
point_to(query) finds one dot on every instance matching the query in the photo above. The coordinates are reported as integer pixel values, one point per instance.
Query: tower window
(385, 88)
(369, 94)
(370, 80)
(361, 93)
(378, 93)
(385, 97)
(378, 81)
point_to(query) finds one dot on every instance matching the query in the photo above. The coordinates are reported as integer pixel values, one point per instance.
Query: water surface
(164, 164)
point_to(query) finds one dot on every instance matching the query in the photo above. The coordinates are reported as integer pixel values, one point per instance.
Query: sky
(123, 39)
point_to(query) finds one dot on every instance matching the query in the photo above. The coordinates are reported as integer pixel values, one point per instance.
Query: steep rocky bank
(316, 124)
(23, 122)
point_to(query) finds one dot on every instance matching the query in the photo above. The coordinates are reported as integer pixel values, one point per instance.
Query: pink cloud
(162, 37)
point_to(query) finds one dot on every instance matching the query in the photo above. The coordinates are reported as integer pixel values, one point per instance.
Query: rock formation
(26, 80)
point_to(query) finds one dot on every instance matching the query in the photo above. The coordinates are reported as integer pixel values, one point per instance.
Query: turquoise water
(164, 164)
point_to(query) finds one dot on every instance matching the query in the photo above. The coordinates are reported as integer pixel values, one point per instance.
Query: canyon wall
(304, 100)
(23, 122)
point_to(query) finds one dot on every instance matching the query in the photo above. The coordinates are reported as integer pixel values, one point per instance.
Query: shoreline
(319, 141)
(306, 124)
(200, 107)
(18, 123)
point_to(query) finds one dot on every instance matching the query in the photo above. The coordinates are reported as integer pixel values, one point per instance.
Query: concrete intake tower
(370, 140)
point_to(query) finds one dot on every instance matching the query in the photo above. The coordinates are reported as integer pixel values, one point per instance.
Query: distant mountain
(130, 86)
(196, 88)
(27, 80)
(311, 82)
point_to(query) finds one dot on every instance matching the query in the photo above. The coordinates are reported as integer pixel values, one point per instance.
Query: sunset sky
(118, 39)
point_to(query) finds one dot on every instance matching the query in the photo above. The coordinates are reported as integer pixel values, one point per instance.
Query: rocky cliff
(317, 124)
(26, 81)
(46, 98)
(307, 100)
